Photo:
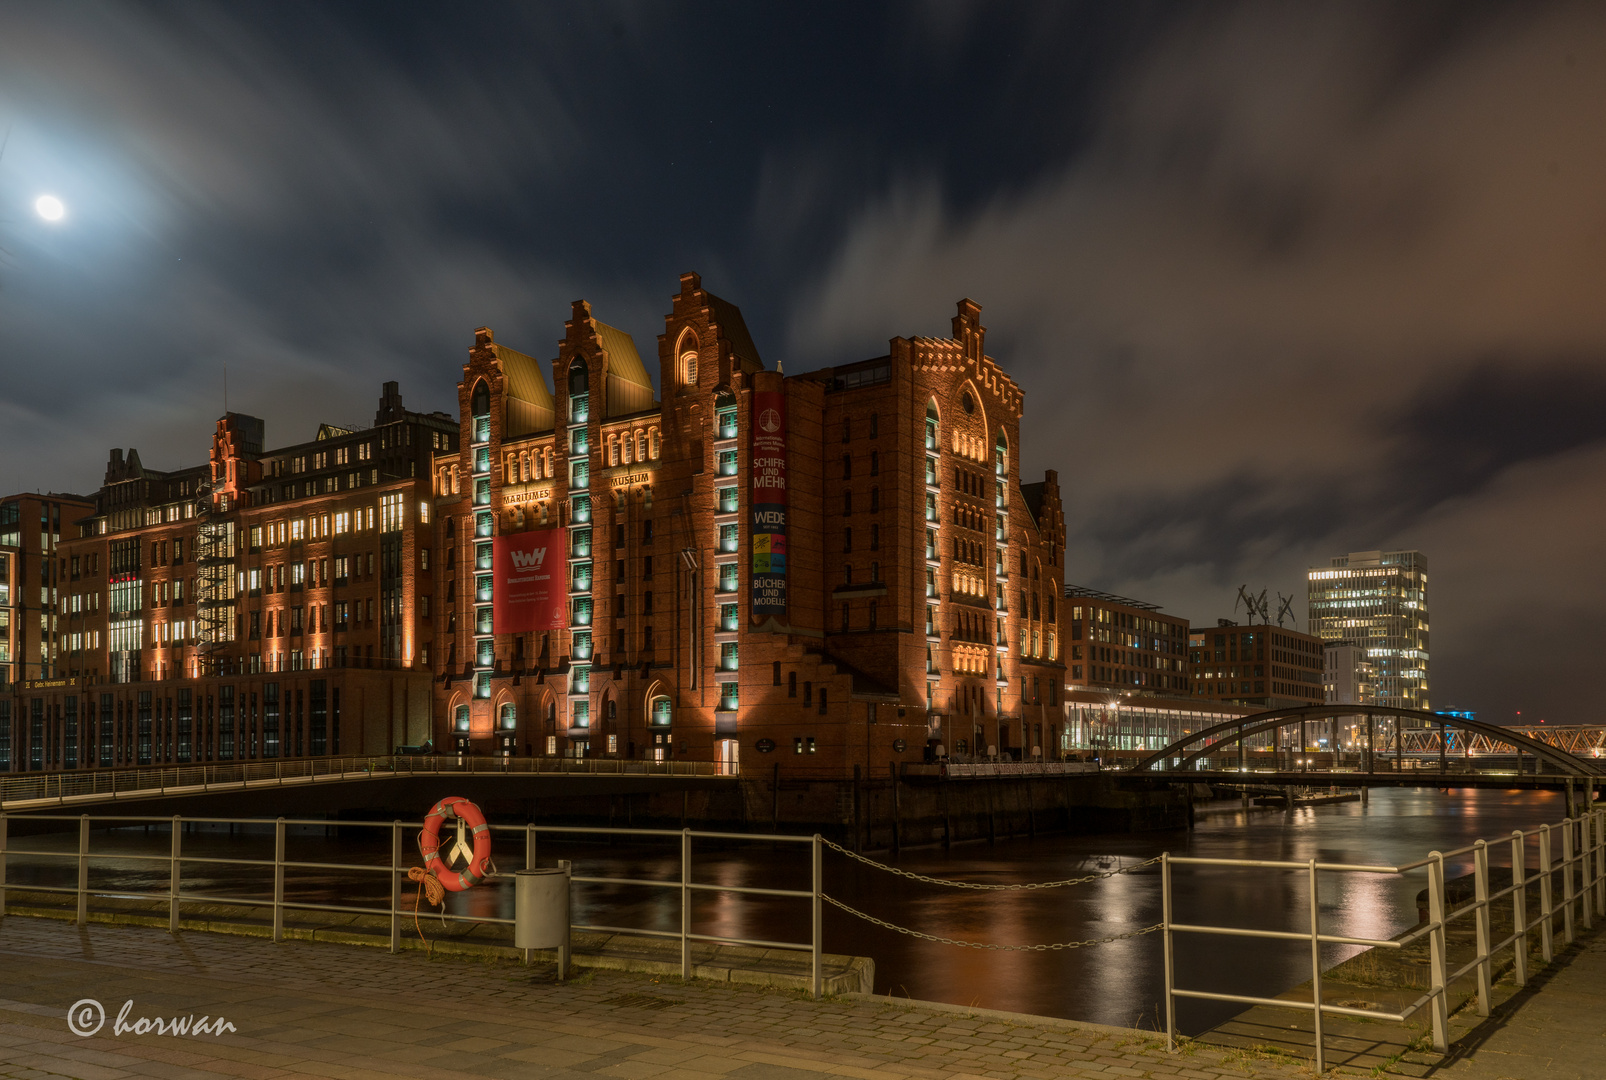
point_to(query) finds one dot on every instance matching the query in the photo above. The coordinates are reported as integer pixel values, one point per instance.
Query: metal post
(1371, 749)
(529, 864)
(1519, 904)
(1316, 968)
(278, 880)
(816, 920)
(1546, 911)
(395, 885)
(1437, 982)
(1480, 884)
(173, 876)
(1585, 875)
(1567, 887)
(83, 871)
(685, 904)
(1600, 872)
(1170, 973)
(1444, 738)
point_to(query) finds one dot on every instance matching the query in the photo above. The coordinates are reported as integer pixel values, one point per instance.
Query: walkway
(360, 1014)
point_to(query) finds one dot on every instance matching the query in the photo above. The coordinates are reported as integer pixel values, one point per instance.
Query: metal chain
(912, 876)
(834, 902)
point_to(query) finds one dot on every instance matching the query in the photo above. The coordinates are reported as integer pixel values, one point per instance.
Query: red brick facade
(922, 577)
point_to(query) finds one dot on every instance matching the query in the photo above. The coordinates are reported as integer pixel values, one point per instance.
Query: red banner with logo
(529, 590)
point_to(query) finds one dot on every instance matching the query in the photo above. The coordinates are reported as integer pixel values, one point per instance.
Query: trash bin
(541, 908)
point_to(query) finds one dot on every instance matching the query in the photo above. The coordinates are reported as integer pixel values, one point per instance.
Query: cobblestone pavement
(353, 1013)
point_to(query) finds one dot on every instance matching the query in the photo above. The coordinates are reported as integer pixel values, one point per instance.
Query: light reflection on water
(1117, 983)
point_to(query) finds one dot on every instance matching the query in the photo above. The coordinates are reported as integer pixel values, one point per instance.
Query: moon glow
(50, 208)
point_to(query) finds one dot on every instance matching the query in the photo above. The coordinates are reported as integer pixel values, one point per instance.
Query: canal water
(1118, 983)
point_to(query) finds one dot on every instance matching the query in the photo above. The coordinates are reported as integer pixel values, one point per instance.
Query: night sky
(1280, 281)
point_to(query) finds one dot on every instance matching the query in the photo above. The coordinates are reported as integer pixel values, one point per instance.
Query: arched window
(662, 712)
(613, 450)
(1001, 455)
(686, 357)
(641, 445)
(579, 377)
(847, 466)
(931, 425)
(613, 709)
(460, 721)
(509, 718)
(481, 402)
(653, 438)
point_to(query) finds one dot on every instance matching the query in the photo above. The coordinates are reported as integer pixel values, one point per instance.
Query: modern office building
(1264, 667)
(1378, 600)
(1348, 678)
(828, 570)
(1117, 643)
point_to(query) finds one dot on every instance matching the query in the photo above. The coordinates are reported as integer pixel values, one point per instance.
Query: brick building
(823, 570)
(1262, 666)
(1125, 645)
(265, 604)
(827, 570)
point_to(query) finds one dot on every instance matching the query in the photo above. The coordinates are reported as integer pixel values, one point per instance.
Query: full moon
(50, 208)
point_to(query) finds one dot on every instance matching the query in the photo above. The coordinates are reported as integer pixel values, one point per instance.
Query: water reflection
(1117, 983)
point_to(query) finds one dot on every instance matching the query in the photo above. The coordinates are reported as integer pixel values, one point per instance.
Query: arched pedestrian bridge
(1368, 744)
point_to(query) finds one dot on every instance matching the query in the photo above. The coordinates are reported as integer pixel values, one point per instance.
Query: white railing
(19, 791)
(175, 895)
(1581, 871)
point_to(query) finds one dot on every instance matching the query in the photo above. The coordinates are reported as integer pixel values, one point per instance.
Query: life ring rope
(429, 843)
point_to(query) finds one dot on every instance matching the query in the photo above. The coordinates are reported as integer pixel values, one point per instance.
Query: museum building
(814, 571)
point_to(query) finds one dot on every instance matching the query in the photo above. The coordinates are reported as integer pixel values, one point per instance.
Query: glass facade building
(1378, 600)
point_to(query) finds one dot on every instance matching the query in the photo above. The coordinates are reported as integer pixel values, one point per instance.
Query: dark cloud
(1281, 281)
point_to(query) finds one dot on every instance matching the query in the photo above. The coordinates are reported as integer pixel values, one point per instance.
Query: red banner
(529, 592)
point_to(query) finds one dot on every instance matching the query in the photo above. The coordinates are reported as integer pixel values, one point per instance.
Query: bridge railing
(95, 785)
(1570, 882)
(290, 876)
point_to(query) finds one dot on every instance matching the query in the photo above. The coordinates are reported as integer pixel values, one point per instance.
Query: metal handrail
(394, 868)
(1583, 878)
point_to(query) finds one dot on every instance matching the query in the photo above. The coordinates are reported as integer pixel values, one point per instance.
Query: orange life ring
(429, 844)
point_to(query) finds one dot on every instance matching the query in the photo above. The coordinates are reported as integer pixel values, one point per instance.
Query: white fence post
(1480, 883)
(1519, 903)
(1165, 933)
(1438, 984)
(1316, 968)
(1547, 909)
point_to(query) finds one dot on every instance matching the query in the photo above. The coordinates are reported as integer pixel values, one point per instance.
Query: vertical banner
(767, 498)
(529, 591)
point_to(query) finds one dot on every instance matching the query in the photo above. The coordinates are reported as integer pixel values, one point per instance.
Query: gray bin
(541, 908)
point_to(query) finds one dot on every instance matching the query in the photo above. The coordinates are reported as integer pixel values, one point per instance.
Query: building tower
(1378, 600)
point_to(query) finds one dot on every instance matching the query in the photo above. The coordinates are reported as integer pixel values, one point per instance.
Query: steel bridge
(1470, 753)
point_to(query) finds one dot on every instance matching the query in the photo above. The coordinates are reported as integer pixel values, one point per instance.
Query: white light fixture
(50, 208)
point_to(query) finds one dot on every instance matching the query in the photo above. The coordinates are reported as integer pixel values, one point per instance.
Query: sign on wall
(529, 590)
(767, 500)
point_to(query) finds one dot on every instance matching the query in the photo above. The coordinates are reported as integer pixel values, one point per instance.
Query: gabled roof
(728, 317)
(629, 389)
(528, 401)
(1033, 494)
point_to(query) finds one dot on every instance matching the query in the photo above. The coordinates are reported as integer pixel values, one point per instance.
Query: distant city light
(50, 208)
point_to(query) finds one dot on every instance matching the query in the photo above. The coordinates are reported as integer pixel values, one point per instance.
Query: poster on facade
(767, 498)
(528, 589)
